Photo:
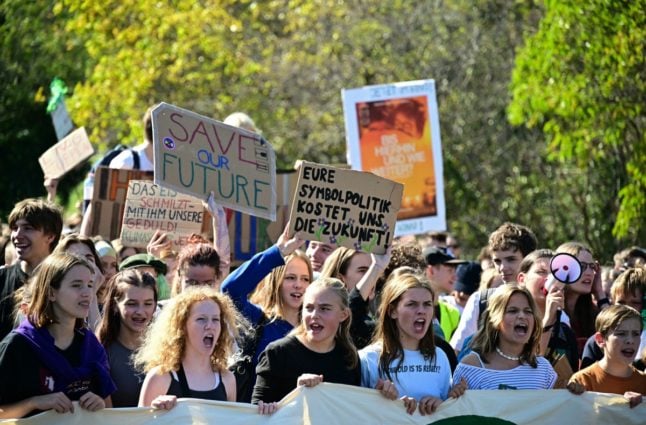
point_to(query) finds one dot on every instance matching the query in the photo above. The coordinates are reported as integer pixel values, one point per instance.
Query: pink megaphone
(565, 268)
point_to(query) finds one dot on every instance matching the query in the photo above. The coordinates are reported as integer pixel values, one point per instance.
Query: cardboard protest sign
(109, 199)
(251, 235)
(393, 130)
(196, 155)
(66, 154)
(150, 207)
(348, 208)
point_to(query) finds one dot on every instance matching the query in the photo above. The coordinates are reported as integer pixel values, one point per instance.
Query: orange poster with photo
(394, 143)
(393, 131)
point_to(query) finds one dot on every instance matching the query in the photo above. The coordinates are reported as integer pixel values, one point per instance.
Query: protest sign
(251, 235)
(196, 155)
(150, 207)
(109, 199)
(348, 208)
(393, 131)
(66, 154)
(61, 119)
(329, 403)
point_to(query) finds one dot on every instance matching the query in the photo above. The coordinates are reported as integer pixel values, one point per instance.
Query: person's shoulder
(451, 309)
(122, 160)
(370, 351)
(283, 343)
(590, 370)
(542, 361)
(471, 359)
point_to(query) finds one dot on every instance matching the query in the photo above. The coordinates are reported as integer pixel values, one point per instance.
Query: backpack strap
(135, 159)
(484, 303)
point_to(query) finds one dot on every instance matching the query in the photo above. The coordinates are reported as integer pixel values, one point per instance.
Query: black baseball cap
(467, 277)
(435, 255)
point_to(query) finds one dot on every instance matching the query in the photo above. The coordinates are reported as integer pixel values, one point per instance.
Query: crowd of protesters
(90, 320)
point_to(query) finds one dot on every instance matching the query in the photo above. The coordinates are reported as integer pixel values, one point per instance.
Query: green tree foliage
(285, 62)
(33, 50)
(581, 80)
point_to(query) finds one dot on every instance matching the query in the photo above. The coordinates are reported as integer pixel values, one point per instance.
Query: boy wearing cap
(440, 270)
(509, 244)
(467, 280)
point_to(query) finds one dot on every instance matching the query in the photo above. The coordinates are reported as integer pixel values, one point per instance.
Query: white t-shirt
(125, 161)
(415, 377)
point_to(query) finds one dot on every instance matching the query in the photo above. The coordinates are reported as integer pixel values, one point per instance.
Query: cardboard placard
(196, 155)
(66, 154)
(348, 208)
(150, 207)
(250, 235)
(109, 199)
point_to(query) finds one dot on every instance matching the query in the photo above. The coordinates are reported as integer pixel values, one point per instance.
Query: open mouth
(139, 321)
(628, 352)
(316, 328)
(521, 329)
(419, 325)
(296, 295)
(208, 341)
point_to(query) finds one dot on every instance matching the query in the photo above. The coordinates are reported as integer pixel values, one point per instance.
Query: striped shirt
(522, 377)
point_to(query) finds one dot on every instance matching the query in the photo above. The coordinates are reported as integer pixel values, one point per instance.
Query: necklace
(514, 358)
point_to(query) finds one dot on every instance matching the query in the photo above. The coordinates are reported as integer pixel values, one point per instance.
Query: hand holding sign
(348, 208)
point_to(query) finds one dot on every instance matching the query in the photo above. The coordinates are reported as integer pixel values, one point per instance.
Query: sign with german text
(393, 130)
(348, 208)
(150, 207)
(197, 155)
(109, 199)
(66, 154)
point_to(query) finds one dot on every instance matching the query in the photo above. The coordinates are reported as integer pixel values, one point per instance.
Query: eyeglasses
(592, 266)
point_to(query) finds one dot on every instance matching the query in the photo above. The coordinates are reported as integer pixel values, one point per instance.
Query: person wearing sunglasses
(579, 304)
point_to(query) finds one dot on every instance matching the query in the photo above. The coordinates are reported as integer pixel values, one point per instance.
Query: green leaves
(582, 77)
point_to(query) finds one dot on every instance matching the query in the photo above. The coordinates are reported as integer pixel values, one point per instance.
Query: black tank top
(180, 388)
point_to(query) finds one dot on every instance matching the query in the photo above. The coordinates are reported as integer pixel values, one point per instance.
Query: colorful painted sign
(109, 199)
(393, 131)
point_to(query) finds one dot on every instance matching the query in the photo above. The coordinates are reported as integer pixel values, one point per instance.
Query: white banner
(329, 404)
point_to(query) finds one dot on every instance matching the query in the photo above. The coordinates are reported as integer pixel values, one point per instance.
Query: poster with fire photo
(393, 131)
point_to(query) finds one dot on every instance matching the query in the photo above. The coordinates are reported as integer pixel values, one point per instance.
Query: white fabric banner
(329, 404)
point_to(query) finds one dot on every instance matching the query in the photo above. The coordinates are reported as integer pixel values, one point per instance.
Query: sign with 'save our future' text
(150, 207)
(196, 155)
(66, 154)
(348, 208)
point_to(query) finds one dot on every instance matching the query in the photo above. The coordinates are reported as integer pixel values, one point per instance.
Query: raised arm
(378, 263)
(221, 241)
(243, 280)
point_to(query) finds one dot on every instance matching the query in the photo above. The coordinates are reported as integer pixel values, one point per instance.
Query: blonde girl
(318, 349)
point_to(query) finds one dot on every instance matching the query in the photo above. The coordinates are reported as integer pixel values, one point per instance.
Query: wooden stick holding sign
(66, 154)
(150, 207)
(196, 155)
(348, 208)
